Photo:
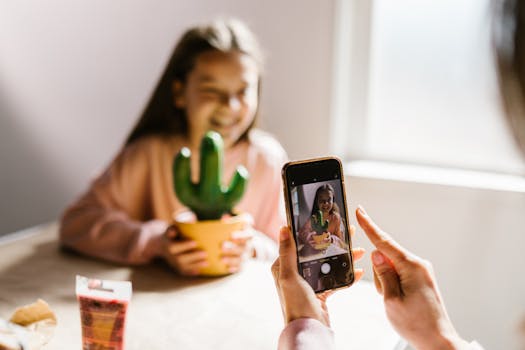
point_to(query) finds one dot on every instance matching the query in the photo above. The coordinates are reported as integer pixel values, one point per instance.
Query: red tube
(103, 306)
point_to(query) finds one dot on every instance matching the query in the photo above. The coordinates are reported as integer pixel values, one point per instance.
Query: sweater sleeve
(305, 231)
(310, 334)
(271, 216)
(306, 334)
(474, 346)
(266, 162)
(338, 226)
(107, 221)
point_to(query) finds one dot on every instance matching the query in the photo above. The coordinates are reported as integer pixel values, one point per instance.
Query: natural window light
(415, 83)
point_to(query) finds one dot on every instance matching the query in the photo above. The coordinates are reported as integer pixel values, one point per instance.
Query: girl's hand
(298, 299)
(310, 239)
(183, 256)
(237, 250)
(334, 239)
(412, 300)
(327, 238)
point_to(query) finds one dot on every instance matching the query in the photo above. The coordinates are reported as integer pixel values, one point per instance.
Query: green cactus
(208, 198)
(318, 225)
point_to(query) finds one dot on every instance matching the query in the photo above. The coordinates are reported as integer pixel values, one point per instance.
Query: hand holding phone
(317, 214)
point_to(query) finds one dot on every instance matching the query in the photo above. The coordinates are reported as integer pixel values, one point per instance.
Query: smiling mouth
(223, 127)
(223, 124)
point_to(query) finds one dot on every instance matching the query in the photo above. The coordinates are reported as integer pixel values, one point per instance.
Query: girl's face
(325, 201)
(220, 94)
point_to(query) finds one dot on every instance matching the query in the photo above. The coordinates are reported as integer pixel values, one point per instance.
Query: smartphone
(316, 208)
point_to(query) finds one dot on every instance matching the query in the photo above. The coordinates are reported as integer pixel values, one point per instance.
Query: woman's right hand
(412, 300)
(183, 255)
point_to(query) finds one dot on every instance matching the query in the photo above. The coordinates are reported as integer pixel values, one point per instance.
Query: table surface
(239, 311)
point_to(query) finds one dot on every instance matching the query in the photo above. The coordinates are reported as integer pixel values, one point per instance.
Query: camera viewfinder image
(321, 234)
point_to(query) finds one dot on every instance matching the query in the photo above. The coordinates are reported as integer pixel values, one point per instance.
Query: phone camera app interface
(321, 234)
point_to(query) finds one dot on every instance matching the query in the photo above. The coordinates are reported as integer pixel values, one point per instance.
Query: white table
(167, 311)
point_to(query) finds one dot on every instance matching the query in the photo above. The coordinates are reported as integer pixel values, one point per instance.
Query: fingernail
(378, 258)
(283, 234)
(227, 245)
(361, 209)
(237, 234)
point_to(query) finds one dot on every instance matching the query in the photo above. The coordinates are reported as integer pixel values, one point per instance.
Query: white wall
(474, 239)
(74, 76)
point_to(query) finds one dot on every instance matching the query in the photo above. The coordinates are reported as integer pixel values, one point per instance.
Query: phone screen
(317, 214)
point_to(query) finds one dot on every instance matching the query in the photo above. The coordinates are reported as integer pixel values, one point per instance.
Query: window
(415, 83)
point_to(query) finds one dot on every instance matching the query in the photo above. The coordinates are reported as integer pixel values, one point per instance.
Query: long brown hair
(161, 116)
(509, 42)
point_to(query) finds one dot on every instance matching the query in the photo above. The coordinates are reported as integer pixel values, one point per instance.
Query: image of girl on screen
(323, 232)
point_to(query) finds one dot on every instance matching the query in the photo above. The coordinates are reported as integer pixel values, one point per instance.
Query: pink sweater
(126, 210)
(310, 334)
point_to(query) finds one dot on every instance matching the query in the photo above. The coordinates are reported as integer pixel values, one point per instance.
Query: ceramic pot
(210, 235)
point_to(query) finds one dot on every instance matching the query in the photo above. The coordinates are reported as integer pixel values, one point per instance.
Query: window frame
(351, 82)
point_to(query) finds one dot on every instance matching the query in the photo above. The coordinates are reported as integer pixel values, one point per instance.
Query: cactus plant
(318, 225)
(208, 198)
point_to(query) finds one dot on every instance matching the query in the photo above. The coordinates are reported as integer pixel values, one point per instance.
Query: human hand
(412, 299)
(183, 255)
(297, 297)
(319, 240)
(236, 250)
(310, 238)
(326, 237)
(334, 239)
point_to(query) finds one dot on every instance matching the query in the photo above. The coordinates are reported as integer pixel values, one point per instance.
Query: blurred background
(405, 92)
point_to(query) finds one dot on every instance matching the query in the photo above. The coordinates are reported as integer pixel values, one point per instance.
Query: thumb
(287, 253)
(387, 276)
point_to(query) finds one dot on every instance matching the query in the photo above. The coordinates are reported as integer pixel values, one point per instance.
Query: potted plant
(211, 202)
(320, 227)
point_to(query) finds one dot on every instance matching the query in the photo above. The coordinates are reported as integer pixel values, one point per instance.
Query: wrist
(309, 236)
(156, 232)
(455, 342)
(444, 341)
(262, 247)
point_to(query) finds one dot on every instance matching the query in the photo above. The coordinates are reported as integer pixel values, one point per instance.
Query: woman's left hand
(298, 300)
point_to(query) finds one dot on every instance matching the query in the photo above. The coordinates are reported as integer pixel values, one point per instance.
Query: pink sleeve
(474, 346)
(310, 334)
(306, 334)
(270, 215)
(305, 230)
(336, 229)
(106, 221)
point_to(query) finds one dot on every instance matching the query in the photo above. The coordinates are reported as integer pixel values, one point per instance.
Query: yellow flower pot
(210, 235)
(319, 240)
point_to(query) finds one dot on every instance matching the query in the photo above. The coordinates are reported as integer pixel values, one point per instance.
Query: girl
(212, 82)
(324, 202)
